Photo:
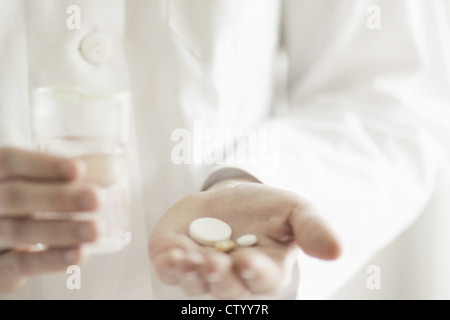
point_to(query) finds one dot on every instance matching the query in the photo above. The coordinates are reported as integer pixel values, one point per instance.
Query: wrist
(227, 177)
(229, 183)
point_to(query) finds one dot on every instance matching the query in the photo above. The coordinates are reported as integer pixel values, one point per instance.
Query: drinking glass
(91, 126)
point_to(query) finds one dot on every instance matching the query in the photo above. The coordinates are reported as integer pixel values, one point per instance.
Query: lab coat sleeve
(359, 138)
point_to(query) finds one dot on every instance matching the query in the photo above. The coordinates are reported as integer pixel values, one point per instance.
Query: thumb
(312, 234)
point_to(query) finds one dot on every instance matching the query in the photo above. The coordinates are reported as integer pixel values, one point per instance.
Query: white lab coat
(361, 115)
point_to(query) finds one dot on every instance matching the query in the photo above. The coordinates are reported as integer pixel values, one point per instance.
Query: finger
(15, 266)
(20, 197)
(168, 254)
(193, 281)
(27, 164)
(259, 272)
(177, 260)
(168, 266)
(221, 277)
(61, 233)
(312, 234)
(164, 242)
(177, 267)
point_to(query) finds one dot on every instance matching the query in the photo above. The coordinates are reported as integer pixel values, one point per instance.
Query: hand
(32, 182)
(282, 221)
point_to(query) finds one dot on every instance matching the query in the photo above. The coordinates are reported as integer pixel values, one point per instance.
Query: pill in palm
(225, 245)
(209, 231)
(247, 240)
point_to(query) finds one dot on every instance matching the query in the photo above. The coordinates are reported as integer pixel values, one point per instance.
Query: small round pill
(247, 240)
(208, 231)
(224, 246)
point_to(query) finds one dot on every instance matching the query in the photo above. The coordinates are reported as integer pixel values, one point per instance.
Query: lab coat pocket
(202, 27)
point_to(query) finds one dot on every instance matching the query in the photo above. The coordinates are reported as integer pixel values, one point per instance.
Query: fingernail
(86, 232)
(247, 274)
(70, 256)
(87, 200)
(66, 169)
(101, 227)
(176, 254)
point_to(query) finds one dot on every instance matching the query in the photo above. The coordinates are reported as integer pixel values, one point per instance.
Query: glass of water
(91, 126)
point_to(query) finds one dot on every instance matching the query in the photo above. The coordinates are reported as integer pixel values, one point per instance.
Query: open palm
(282, 221)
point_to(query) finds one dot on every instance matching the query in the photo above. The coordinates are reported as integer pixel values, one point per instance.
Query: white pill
(247, 240)
(208, 231)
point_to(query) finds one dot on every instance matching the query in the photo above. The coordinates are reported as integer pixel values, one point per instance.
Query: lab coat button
(95, 48)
